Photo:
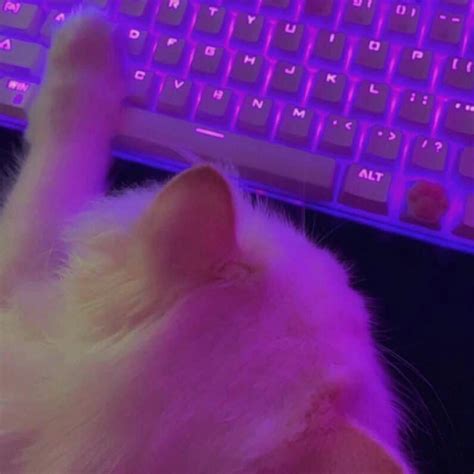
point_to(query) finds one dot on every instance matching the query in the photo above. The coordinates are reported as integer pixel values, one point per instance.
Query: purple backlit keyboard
(359, 108)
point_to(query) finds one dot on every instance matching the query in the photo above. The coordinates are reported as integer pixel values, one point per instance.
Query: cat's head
(214, 337)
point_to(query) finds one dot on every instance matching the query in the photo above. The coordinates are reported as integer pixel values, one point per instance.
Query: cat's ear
(342, 448)
(190, 227)
(350, 448)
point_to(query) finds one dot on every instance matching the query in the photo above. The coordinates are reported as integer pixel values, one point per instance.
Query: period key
(366, 188)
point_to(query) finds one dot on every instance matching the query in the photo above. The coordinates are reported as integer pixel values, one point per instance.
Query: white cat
(174, 331)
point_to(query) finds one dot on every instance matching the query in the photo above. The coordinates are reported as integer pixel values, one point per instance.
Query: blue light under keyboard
(360, 108)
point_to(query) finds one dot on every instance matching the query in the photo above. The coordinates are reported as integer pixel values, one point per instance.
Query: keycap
(16, 96)
(338, 135)
(247, 68)
(215, 105)
(416, 107)
(415, 63)
(319, 8)
(207, 59)
(329, 87)
(329, 45)
(141, 86)
(137, 41)
(255, 115)
(466, 226)
(175, 97)
(288, 36)
(248, 28)
(466, 162)
(366, 188)
(447, 28)
(134, 8)
(429, 153)
(210, 19)
(460, 118)
(371, 97)
(296, 125)
(403, 18)
(53, 21)
(360, 12)
(372, 54)
(286, 78)
(19, 16)
(426, 203)
(257, 160)
(383, 143)
(279, 4)
(21, 57)
(172, 12)
(459, 73)
(169, 51)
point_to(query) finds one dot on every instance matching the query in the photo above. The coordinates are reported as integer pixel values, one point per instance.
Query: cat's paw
(84, 85)
(87, 46)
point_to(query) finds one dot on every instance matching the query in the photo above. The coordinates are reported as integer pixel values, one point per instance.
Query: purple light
(402, 170)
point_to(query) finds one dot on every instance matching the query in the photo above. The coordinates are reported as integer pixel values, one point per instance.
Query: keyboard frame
(389, 223)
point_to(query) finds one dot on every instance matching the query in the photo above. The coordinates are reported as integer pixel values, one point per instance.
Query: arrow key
(338, 135)
(383, 143)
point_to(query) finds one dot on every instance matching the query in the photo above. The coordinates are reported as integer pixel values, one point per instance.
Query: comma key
(338, 135)
(366, 188)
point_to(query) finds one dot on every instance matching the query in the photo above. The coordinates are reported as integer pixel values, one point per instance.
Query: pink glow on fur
(252, 356)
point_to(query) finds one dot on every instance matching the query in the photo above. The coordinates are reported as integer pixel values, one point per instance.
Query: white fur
(101, 373)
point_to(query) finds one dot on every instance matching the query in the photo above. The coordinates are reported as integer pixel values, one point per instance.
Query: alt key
(366, 188)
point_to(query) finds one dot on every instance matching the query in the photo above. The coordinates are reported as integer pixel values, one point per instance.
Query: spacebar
(301, 174)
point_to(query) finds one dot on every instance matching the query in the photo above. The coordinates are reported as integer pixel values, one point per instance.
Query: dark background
(424, 298)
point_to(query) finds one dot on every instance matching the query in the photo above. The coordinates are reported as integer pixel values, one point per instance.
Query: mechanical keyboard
(359, 108)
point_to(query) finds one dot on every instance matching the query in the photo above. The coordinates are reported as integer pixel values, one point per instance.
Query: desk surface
(424, 297)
